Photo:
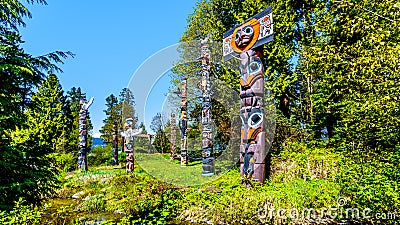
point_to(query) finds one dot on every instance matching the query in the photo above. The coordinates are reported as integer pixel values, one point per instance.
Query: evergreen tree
(71, 111)
(118, 109)
(351, 61)
(20, 74)
(112, 116)
(127, 105)
(158, 125)
(38, 137)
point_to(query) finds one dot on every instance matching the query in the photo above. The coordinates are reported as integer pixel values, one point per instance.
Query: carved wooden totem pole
(173, 137)
(150, 146)
(246, 42)
(184, 142)
(129, 135)
(115, 145)
(207, 139)
(83, 114)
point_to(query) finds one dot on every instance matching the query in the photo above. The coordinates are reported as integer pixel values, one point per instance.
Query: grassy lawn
(171, 171)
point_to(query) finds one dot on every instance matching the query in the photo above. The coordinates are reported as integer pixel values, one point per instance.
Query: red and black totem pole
(246, 42)
(83, 115)
(184, 142)
(129, 135)
(114, 145)
(207, 139)
(173, 137)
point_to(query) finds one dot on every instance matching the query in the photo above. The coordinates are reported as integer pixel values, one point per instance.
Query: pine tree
(127, 105)
(38, 137)
(118, 109)
(112, 116)
(71, 112)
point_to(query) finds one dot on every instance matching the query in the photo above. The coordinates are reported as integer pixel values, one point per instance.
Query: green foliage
(65, 162)
(146, 200)
(21, 214)
(44, 120)
(24, 145)
(71, 123)
(38, 136)
(118, 109)
(156, 211)
(333, 69)
(351, 61)
(113, 116)
(299, 161)
(100, 156)
(159, 125)
(94, 203)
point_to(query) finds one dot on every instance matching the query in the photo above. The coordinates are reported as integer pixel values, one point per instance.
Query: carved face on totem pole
(245, 36)
(256, 31)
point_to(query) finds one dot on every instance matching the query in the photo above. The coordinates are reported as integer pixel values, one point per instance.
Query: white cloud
(96, 135)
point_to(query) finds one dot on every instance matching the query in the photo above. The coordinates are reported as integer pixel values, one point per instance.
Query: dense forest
(333, 72)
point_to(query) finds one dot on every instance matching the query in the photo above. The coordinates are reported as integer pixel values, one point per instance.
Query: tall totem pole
(184, 142)
(207, 139)
(173, 137)
(115, 145)
(246, 42)
(83, 114)
(128, 136)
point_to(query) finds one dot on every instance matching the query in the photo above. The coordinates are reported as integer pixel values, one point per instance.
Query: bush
(64, 162)
(100, 156)
(21, 214)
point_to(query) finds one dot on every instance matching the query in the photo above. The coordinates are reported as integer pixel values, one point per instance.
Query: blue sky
(111, 39)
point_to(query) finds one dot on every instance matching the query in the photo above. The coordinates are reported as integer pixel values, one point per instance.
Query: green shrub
(100, 156)
(21, 214)
(64, 162)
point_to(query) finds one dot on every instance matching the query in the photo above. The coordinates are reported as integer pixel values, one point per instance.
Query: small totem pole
(184, 142)
(115, 145)
(173, 137)
(151, 140)
(207, 141)
(129, 135)
(83, 114)
(246, 41)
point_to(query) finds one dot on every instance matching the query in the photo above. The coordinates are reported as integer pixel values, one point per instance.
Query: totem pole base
(208, 167)
(184, 160)
(258, 175)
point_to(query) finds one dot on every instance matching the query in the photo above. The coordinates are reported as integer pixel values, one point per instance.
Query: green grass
(161, 191)
(171, 172)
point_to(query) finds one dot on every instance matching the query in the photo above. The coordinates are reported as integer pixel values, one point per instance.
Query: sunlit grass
(171, 172)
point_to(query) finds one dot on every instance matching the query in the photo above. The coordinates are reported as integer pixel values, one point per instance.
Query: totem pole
(184, 141)
(83, 114)
(151, 140)
(173, 137)
(115, 145)
(207, 141)
(246, 41)
(129, 135)
(122, 142)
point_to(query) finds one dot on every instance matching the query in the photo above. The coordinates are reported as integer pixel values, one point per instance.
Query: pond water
(65, 211)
